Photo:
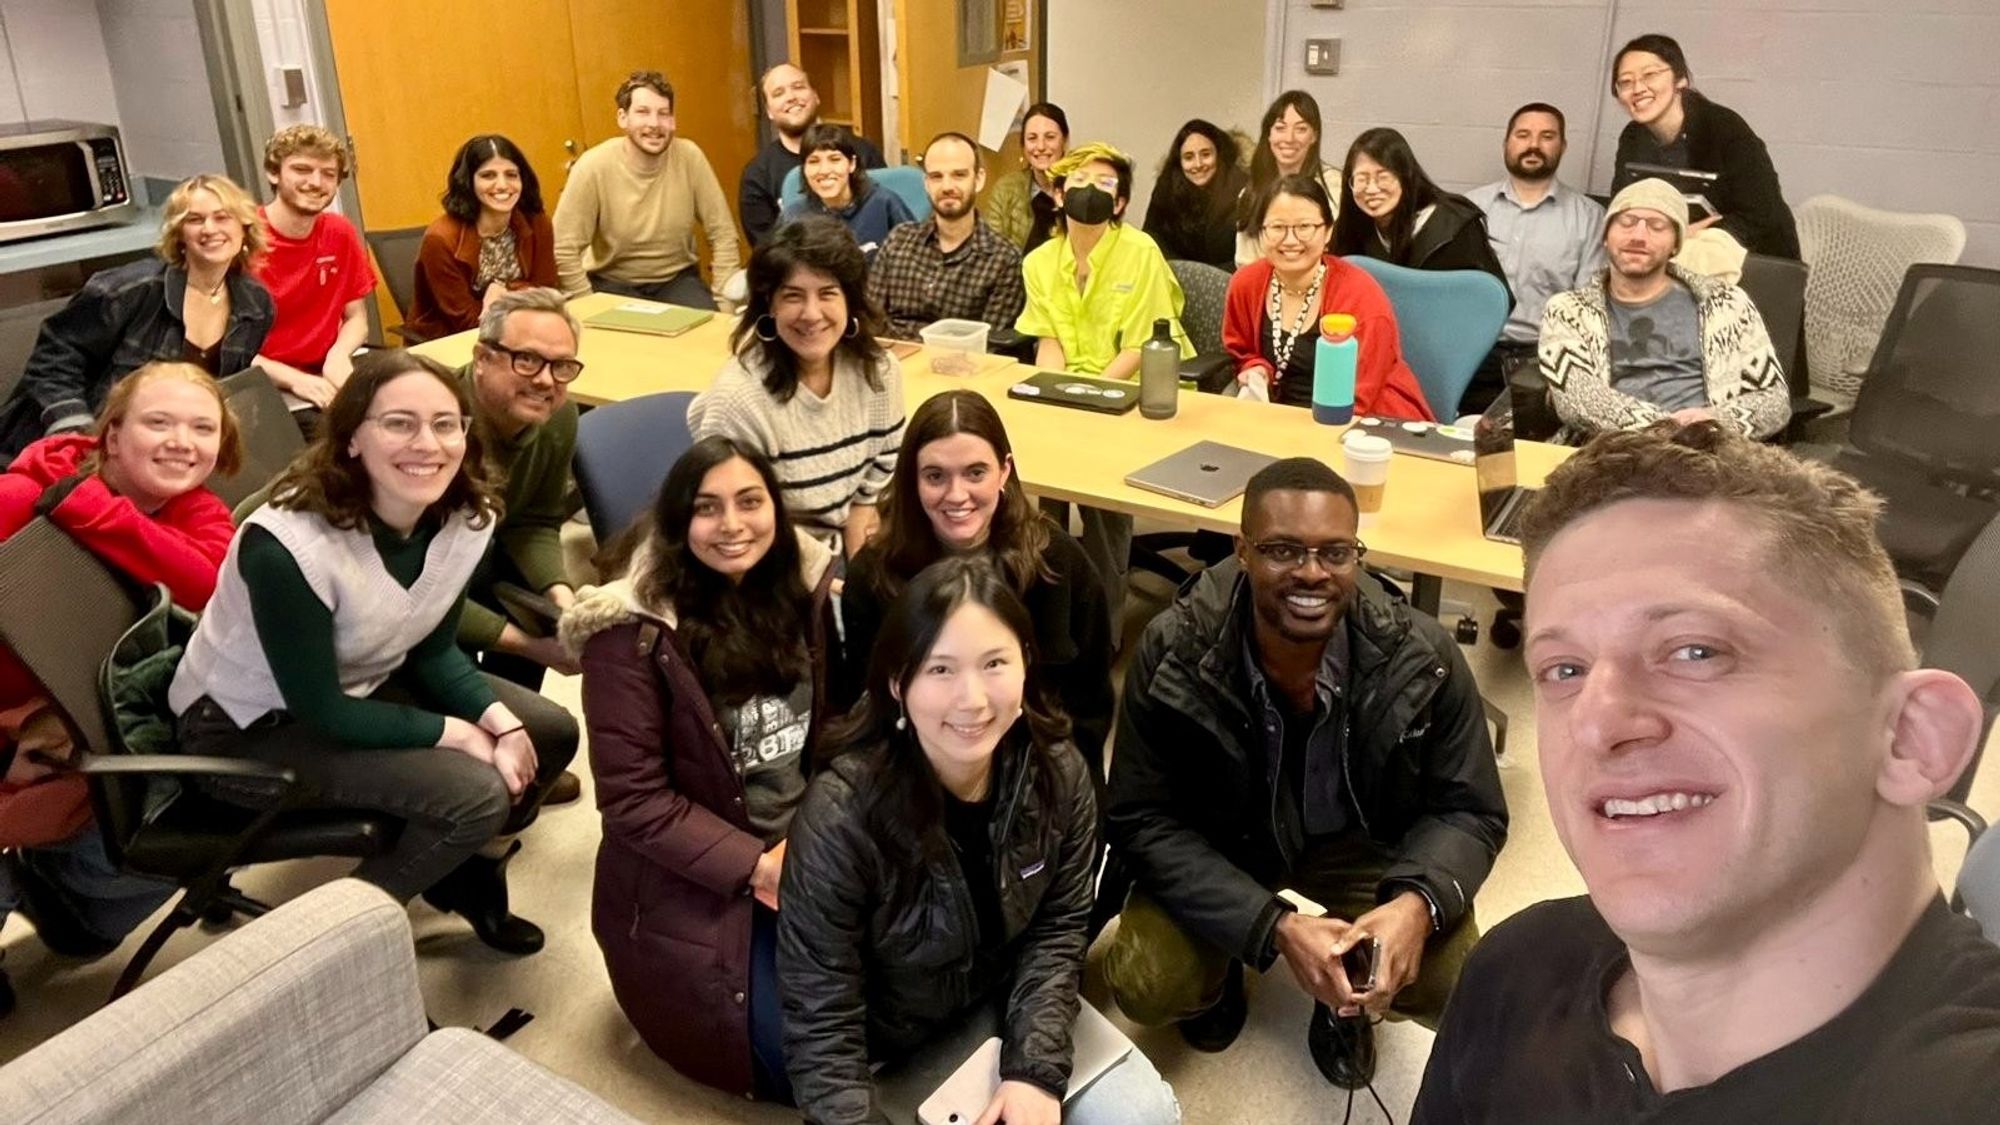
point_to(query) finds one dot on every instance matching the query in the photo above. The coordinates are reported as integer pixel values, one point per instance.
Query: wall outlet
(1323, 56)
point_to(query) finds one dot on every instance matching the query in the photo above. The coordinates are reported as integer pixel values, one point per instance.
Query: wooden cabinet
(838, 44)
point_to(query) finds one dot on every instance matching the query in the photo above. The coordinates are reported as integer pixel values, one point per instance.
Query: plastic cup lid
(1367, 446)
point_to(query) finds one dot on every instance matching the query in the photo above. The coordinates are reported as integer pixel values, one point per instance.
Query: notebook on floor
(1059, 388)
(1096, 1045)
(650, 317)
(1208, 473)
(1501, 498)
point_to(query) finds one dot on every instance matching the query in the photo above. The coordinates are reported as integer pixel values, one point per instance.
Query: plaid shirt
(915, 283)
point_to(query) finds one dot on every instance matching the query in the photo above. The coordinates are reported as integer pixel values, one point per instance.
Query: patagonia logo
(1122, 287)
(1415, 733)
(1034, 869)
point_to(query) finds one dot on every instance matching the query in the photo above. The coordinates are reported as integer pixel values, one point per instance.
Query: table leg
(1427, 592)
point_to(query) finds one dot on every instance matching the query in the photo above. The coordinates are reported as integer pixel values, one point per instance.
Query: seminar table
(1429, 524)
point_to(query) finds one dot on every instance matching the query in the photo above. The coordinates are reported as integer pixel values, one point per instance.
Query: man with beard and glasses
(1548, 236)
(1290, 724)
(315, 266)
(1650, 340)
(951, 264)
(792, 105)
(627, 219)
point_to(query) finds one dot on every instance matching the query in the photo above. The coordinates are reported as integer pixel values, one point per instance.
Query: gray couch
(308, 1014)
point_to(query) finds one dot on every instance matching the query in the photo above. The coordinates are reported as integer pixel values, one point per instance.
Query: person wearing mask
(628, 215)
(494, 236)
(135, 494)
(810, 386)
(1548, 236)
(952, 264)
(939, 874)
(316, 267)
(330, 649)
(955, 492)
(1675, 127)
(1288, 144)
(1394, 212)
(792, 106)
(1022, 206)
(704, 682)
(196, 300)
(1270, 322)
(837, 185)
(1192, 214)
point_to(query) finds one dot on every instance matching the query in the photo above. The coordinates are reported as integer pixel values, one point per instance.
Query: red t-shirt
(311, 279)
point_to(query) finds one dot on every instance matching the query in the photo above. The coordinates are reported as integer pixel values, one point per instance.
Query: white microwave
(60, 176)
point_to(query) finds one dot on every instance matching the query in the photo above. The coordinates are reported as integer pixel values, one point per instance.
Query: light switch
(1323, 56)
(293, 78)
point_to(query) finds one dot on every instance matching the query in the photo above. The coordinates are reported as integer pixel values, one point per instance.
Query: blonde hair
(312, 140)
(118, 403)
(234, 200)
(1820, 522)
(1095, 151)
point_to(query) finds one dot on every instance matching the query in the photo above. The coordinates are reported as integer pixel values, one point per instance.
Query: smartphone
(970, 1089)
(1360, 964)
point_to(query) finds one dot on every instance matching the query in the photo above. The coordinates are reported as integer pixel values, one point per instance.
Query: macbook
(1208, 473)
(1501, 498)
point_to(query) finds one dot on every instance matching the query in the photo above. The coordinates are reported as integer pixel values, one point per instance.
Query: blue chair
(904, 180)
(623, 452)
(1448, 321)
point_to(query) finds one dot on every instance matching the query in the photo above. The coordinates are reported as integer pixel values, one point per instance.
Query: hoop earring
(853, 327)
(757, 327)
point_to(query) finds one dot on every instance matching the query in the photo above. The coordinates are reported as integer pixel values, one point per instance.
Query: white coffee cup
(1367, 470)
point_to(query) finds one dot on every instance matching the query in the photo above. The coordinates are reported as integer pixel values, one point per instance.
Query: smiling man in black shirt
(1737, 749)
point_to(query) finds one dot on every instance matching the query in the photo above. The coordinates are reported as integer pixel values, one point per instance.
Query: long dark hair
(1354, 232)
(1019, 536)
(461, 202)
(1653, 43)
(746, 638)
(824, 245)
(1179, 209)
(1263, 165)
(905, 809)
(833, 138)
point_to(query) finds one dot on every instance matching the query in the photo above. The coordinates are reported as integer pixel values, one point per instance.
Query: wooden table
(1429, 523)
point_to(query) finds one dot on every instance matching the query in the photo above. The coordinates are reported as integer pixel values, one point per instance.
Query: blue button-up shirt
(1551, 247)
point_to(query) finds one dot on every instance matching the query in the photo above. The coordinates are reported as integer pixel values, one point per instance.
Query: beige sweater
(640, 229)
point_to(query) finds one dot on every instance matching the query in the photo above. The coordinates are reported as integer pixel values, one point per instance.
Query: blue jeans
(767, 1010)
(106, 901)
(1131, 1093)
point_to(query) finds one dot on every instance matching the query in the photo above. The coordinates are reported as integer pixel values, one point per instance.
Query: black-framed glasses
(1304, 232)
(529, 364)
(1335, 557)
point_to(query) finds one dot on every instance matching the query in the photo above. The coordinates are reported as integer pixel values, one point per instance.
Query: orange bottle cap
(1337, 324)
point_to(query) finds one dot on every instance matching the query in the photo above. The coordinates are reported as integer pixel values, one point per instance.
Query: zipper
(635, 920)
(1006, 829)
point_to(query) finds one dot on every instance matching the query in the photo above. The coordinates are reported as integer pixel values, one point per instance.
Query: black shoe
(1215, 1029)
(477, 890)
(6, 995)
(565, 788)
(1343, 1047)
(56, 924)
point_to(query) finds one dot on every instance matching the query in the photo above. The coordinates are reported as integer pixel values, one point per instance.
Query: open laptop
(1208, 473)
(1096, 1045)
(1501, 498)
(1693, 184)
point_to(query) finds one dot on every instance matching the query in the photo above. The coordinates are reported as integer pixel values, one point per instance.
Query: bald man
(793, 106)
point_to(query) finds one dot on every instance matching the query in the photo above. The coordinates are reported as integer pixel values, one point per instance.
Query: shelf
(840, 31)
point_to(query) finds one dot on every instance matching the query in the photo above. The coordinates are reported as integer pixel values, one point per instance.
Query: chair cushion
(1925, 527)
(458, 1075)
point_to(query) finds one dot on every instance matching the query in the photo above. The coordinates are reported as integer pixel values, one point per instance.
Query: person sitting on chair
(1022, 206)
(494, 236)
(317, 269)
(836, 184)
(951, 264)
(792, 106)
(1193, 210)
(1393, 211)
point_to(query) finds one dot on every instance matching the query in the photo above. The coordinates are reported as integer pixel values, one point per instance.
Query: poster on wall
(978, 32)
(1013, 26)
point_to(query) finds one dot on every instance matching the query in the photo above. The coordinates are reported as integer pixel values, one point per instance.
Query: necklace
(1283, 343)
(215, 295)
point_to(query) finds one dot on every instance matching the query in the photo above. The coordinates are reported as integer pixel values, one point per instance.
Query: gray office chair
(20, 327)
(396, 255)
(1207, 293)
(1777, 286)
(1959, 631)
(271, 436)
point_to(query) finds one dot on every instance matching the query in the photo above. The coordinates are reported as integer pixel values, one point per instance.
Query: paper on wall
(1006, 96)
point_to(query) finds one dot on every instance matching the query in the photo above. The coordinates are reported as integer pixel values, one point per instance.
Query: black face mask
(1088, 204)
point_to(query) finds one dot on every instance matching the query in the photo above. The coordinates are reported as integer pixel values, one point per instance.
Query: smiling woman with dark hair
(1393, 211)
(837, 184)
(494, 236)
(1192, 214)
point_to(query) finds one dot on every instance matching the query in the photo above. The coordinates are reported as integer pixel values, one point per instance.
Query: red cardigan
(444, 300)
(1384, 385)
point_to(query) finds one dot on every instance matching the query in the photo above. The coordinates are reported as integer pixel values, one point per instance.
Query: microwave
(61, 176)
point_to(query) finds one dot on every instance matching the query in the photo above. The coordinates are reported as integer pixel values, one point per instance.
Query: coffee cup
(1367, 470)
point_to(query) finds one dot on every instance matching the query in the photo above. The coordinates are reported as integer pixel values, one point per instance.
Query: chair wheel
(218, 916)
(1506, 632)
(1466, 632)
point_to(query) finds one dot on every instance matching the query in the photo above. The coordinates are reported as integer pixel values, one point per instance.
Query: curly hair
(313, 140)
(234, 200)
(1820, 522)
(461, 196)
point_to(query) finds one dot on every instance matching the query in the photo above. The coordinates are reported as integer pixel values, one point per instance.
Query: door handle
(569, 146)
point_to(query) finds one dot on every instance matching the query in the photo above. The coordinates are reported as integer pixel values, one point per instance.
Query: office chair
(623, 452)
(271, 437)
(1777, 286)
(1959, 630)
(1858, 256)
(905, 180)
(396, 256)
(1447, 321)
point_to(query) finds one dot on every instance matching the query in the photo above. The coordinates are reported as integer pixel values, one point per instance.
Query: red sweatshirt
(1384, 385)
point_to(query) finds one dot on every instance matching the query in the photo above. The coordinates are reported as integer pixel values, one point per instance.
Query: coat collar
(618, 602)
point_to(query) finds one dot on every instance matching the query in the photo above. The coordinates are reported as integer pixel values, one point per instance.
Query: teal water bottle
(1335, 356)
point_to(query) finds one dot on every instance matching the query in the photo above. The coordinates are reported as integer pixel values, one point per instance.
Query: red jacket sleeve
(538, 267)
(183, 546)
(1241, 317)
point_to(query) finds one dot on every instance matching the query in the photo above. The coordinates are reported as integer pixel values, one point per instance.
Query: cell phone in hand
(1360, 963)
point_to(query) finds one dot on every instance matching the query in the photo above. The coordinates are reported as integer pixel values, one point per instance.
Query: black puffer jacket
(873, 961)
(1190, 806)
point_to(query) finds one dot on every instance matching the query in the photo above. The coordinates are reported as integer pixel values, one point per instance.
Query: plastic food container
(956, 335)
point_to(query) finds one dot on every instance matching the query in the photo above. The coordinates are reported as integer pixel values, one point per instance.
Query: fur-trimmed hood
(616, 602)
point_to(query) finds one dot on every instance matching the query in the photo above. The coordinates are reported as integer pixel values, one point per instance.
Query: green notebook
(650, 318)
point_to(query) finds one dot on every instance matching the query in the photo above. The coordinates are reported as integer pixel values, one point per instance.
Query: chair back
(1207, 291)
(904, 180)
(1777, 286)
(1979, 884)
(271, 437)
(61, 612)
(396, 255)
(623, 452)
(1931, 398)
(1858, 256)
(20, 327)
(1447, 320)
(1964, 637)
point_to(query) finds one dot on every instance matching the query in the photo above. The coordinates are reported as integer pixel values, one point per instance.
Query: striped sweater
(830, 453)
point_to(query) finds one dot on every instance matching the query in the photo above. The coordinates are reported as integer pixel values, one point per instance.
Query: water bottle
(1160, 373)
(1335, 356)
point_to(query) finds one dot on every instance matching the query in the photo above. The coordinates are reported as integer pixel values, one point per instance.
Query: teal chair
(1447, 320)
(904, 180)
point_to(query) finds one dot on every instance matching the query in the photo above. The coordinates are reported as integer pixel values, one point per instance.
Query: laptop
(1208, 473)
(649, 317)
(1105, 396)
(1692, 183)
(1096, 1045)
(1501, 498)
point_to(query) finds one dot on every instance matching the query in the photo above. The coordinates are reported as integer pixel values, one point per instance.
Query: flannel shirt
(914, 283)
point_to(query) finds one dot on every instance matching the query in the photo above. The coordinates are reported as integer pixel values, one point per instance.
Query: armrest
(1945, 809)
(408, 335)
(1919, 598)
(187, 765)
(1016, 345)
(1211, 374)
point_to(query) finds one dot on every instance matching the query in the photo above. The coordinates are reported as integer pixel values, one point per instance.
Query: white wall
(54, 64)
(281, 36)
(166, 112)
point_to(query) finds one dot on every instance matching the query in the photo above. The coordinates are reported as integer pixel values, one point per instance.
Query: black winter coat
(1747, 193)
(1191, 807)
(874, 961)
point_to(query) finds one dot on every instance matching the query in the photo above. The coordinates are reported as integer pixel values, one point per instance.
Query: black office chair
(271, 437)
(1959, 631)
(1777, 286)
(396, 255)
(20, 327)
(1206, 290)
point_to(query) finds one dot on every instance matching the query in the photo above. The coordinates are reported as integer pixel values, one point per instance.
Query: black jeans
(450, 804)
(685, 288)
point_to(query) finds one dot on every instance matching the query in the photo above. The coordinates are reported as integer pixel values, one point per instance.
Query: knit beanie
(1653, 195)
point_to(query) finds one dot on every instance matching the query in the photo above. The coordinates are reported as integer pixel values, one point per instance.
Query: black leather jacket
(873, 961)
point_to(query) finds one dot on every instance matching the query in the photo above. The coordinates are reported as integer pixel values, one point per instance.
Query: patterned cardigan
(1746, 385)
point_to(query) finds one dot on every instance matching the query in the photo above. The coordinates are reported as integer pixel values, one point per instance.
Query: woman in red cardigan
(494, 236)
(1271, 318)
(135, 493)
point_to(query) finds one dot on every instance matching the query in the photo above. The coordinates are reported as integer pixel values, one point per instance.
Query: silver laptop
(1501, 498)
(1096, 1045)
(1208, 473)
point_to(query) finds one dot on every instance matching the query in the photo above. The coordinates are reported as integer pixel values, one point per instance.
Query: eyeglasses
(1304, 232)
(1626, 220)
(1632, 82)
(1335, 557)
(404, 427)
(1361, 181)
(530, 364)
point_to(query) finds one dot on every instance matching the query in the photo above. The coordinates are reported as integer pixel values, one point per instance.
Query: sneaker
(1215, 1029)
(565, 788)
(1343, 1047)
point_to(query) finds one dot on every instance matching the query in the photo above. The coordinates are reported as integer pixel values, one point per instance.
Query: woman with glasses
(1288, 144)
(1270, 321)
(1394, 212)
(330, 649)
(1673, 127)
(494, 236)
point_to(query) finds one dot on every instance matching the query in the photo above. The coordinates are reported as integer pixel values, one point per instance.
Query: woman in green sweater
(330, 648)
